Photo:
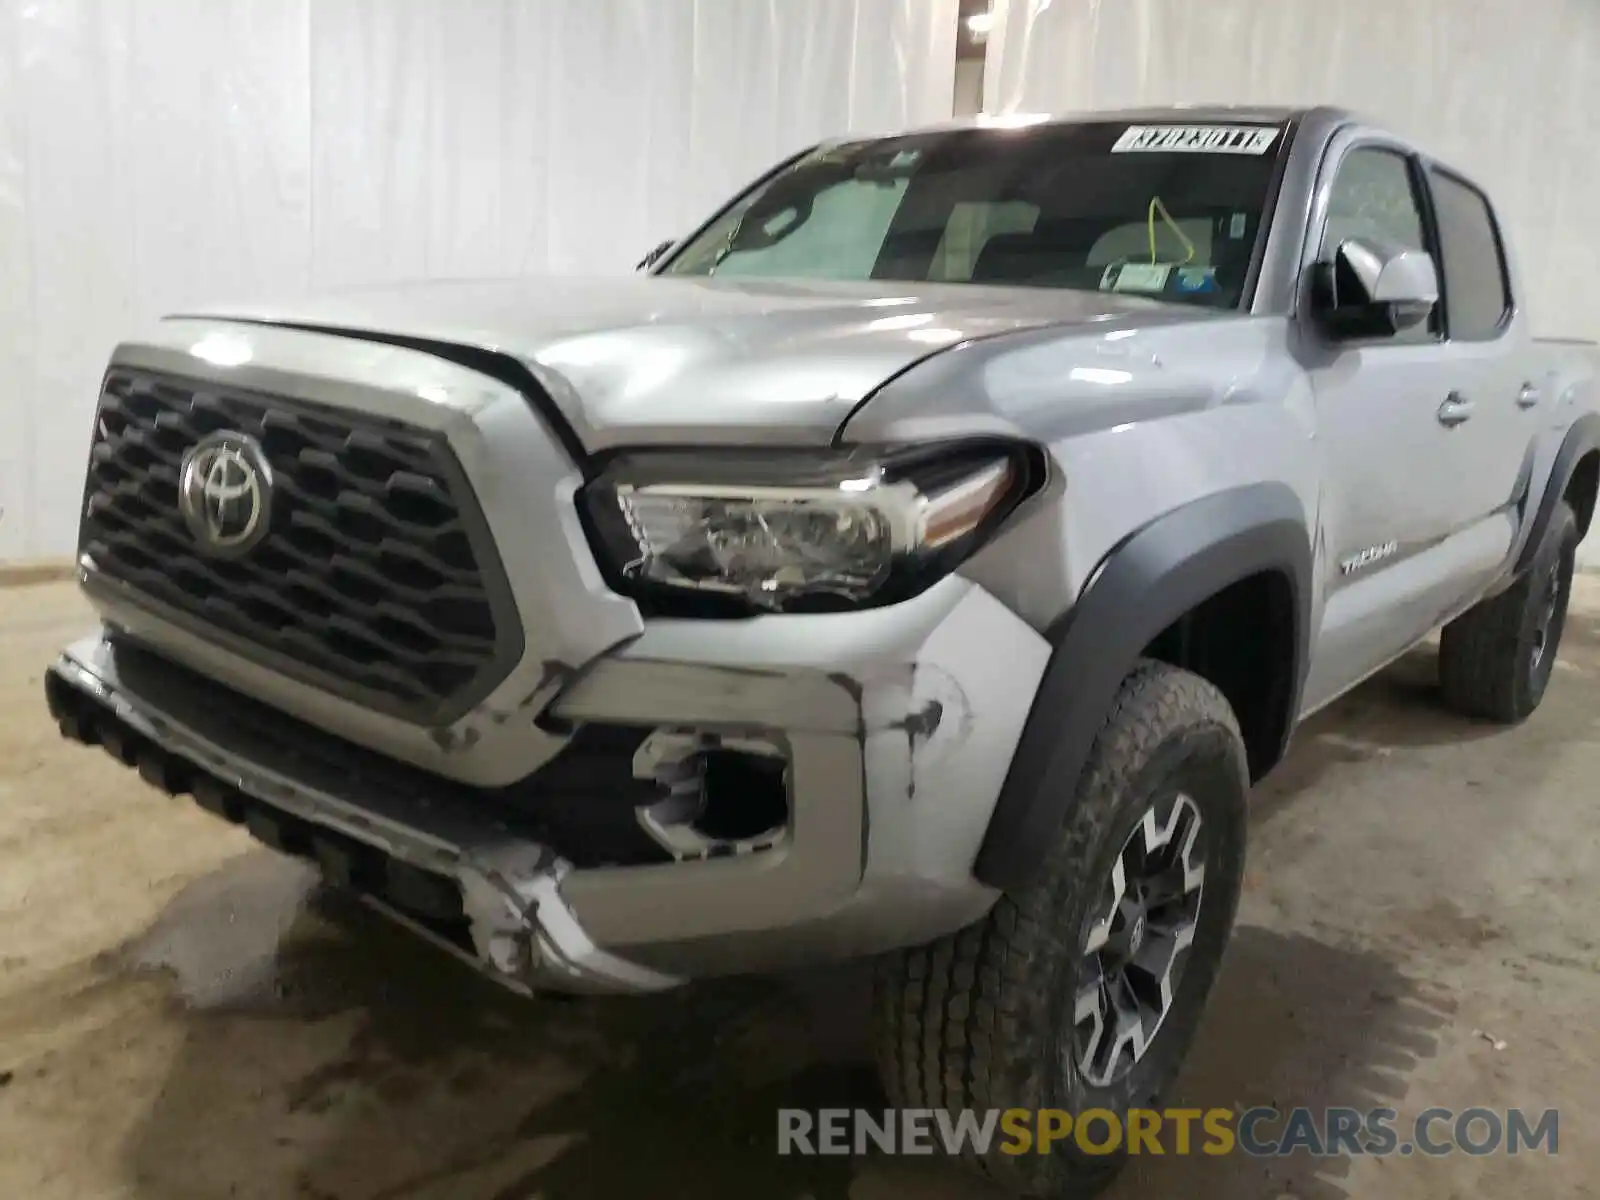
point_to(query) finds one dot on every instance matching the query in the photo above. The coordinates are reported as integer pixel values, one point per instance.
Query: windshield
(1167, 211)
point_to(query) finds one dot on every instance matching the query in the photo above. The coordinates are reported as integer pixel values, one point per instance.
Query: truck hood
(647, 359)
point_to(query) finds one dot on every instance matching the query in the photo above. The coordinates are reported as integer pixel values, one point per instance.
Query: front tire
(1034, 1006)
(1495, 659)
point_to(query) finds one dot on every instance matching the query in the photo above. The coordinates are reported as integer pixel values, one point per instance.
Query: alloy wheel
(1549, 605)
(1136, 945)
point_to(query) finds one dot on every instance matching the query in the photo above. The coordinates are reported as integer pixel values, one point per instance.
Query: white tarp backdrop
(1508, 90)
(157, 153)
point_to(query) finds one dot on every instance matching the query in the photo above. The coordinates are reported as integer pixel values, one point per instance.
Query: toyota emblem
(225, 492)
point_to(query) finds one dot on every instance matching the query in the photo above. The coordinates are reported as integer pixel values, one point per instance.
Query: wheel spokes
(1100, 931)
(1134, 949)
(1550, 607)
(1153, 971)
(1089, 1019)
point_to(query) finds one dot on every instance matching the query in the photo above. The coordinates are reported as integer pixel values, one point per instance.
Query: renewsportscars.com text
(1259, 1132)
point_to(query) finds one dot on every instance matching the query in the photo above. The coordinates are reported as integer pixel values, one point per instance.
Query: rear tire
(1495, 659)
(994, 1017)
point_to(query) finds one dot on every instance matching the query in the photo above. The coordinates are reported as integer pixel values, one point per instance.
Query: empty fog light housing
(720, 797)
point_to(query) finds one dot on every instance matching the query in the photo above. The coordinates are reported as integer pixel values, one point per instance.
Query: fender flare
(1582, 437)
(1157, 574)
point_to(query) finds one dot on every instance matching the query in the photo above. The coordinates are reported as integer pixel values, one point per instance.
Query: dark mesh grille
(375, 579)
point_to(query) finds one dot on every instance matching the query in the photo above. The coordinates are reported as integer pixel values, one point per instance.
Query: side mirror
(1375, 289)
(651, 259)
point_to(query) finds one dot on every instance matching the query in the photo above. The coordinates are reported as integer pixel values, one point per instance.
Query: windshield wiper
(727, 244)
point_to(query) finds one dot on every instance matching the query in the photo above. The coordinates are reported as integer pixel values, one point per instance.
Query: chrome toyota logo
(225, 492)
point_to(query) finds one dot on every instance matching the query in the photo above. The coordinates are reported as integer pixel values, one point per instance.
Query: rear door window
(1477, 289)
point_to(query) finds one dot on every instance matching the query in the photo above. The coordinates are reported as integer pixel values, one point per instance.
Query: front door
(1405, 519)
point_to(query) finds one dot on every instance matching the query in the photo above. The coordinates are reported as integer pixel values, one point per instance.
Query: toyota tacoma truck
(918, 561)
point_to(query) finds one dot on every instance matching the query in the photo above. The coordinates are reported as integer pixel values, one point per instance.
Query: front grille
(375, 579)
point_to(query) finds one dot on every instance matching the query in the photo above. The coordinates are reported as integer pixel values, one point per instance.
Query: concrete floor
(183, 1015)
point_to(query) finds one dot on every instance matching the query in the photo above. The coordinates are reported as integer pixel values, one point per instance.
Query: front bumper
(516, 923)
(897, 726)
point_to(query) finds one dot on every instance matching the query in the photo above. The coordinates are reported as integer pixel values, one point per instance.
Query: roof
(1251, 114)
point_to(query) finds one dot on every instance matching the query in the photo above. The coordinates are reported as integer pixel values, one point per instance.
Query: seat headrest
(1010, 256)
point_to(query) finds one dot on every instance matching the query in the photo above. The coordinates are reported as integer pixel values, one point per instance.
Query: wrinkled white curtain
(157, 153)
(1507, 90)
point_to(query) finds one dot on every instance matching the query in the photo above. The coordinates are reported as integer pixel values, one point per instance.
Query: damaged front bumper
(894, 728)
(517, 924)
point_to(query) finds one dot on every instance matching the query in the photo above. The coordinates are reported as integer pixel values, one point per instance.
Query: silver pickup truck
(920, 561)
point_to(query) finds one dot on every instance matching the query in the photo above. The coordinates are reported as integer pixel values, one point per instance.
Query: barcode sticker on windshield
(1196, 139)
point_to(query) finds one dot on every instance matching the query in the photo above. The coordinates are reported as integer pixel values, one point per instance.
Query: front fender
(1155, 576)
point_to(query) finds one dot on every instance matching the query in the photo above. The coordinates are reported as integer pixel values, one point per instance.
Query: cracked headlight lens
(796, 531)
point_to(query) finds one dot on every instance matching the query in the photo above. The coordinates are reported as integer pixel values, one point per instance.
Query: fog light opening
(745, 795)
(719, 796)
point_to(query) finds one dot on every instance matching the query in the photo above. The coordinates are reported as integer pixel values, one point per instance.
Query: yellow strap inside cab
(1159, 209)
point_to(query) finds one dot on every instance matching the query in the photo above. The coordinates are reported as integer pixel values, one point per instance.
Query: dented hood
(641, 359)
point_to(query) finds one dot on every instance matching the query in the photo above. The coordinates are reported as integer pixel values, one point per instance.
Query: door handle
(1455, 409)
(1528, 396)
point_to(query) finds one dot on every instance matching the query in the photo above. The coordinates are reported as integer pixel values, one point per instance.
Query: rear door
(1485, 335)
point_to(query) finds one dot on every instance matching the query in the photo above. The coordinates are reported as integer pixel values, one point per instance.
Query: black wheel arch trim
(1156, 575)
(1580, 439)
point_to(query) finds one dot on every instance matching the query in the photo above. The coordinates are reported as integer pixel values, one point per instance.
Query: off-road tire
(975, 1020)
(1488, 665)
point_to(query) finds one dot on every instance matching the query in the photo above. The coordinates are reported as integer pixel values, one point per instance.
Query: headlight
(800, 531)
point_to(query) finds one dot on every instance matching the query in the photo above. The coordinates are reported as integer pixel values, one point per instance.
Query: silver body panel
(653, 360)
(899, 723)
